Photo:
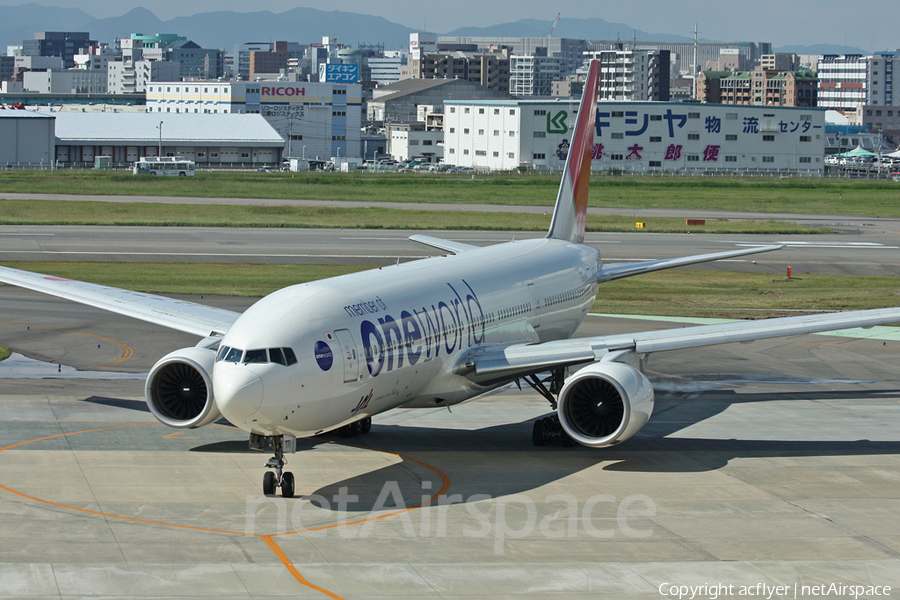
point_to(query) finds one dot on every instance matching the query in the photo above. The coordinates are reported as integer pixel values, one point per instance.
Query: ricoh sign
(282, 91)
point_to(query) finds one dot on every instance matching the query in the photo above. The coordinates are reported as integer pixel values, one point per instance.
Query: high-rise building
(849, 81)
(64, 44)
(534, 74)
(633, 75)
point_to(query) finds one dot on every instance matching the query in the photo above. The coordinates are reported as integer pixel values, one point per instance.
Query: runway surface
(771, 463)
(869, 253)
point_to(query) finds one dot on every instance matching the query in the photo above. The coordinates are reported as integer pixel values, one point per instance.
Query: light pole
(159, 151)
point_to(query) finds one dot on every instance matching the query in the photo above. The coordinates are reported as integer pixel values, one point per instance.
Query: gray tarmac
(870, 251)
(768, 463)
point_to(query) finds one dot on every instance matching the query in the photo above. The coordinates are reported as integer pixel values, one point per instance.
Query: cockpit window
(256, 356)
(277, 356)
(289, 356)
(233, 355)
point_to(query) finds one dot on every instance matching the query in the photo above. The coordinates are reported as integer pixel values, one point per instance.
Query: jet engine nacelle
(605, 403)
(179, 389)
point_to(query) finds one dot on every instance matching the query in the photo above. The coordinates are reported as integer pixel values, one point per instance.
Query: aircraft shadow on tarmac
(501, 461)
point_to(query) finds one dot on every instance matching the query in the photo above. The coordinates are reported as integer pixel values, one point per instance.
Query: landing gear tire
(356, 428)
(548, 431)
(287, 485)
(269, 483)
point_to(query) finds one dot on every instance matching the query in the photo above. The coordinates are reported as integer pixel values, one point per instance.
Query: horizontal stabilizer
(445, 245)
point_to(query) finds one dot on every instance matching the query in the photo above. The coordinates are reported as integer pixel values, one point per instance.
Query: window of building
(730, 137)
(512, 112)
(495, 154)
(540, 113)
(768, 159)
(496, 132)
(452, 109)
(481, 132)
(466, 110)
(413, 142)
(768, 137)
(452, 150)
(540, 134)
(693, 157)
(512, 134)
(511, 155)
(480, 153)
(692, 115)
(538, 156)
(655, 163)
(805, 159)
(427, 143)
(617, 114)
(693, 136)
(496, 111)
(656, 117)
(466, 151)
(616, 157)
(453, 130)
(731, 159)
(805, 138)
(618, 136)
(480, 111)
(466, 131)
(655, 138)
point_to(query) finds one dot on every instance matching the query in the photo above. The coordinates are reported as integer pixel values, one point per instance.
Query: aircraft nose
(238, 390)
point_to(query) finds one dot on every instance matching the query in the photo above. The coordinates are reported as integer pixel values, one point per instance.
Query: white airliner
(320, 356)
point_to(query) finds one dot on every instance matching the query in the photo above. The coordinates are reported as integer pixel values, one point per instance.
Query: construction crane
(552, 27)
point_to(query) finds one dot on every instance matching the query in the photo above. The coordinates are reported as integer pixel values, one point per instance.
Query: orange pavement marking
(267, 538)
(127, 350)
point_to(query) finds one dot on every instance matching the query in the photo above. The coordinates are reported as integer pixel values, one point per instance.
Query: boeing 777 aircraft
(330, 354)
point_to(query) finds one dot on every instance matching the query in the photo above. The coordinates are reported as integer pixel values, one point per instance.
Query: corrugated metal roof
(143, 128)
(12, 113)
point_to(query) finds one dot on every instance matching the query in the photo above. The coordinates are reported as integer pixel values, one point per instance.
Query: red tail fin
(571, 202)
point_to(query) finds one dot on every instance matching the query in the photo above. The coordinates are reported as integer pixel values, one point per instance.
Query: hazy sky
(869, 25)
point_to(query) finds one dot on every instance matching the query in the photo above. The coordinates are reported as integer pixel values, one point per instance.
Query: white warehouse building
(636, 136)
(315, 119)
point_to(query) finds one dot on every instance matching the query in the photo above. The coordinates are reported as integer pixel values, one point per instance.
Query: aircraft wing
(181, 315)
(445, 245)
(619, 271)
(522, 359)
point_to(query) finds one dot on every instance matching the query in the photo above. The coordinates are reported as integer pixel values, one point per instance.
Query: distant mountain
(821, 49)
(19, 23)
(579, 29)
(222, 29)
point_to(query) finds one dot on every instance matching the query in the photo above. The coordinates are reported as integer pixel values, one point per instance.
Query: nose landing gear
(280, 478)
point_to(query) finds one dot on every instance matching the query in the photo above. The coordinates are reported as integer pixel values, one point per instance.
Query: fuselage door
(348, 351)
(536, 307)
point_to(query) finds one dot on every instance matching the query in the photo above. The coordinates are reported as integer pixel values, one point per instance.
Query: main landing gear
(280, 478)
(356, 428)
(548, 430)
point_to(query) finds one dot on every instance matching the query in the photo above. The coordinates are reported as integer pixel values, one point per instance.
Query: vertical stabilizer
(571, 203)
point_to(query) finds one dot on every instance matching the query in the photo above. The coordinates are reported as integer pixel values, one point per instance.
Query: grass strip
(50, 212)
(703, 293)
(796, 195)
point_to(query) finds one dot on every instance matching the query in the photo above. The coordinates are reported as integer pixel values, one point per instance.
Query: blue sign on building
(335, 73)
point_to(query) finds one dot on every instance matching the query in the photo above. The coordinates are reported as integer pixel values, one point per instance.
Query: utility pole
(159, 152)
(694, 63)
